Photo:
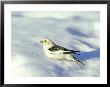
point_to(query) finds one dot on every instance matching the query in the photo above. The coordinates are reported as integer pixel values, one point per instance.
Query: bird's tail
(75, 52)
(78, 60)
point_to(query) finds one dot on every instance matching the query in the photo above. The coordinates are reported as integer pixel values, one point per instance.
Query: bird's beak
(41, 41)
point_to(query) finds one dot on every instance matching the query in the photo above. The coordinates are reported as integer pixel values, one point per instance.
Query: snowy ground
(73, 30)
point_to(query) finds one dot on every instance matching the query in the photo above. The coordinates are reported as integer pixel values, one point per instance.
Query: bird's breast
(54, 55)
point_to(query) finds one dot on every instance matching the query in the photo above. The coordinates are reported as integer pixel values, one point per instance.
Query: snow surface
(73, 30)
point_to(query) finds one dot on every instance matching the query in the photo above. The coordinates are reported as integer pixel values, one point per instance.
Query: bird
(58, 52)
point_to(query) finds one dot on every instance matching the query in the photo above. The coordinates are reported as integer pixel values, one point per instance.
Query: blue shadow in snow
(58, 70)
(16, 13)
(86, 43)
(89, 55)
(77, 18)
(75, 31)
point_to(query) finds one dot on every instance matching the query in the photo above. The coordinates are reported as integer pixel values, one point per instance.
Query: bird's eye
(45, 41)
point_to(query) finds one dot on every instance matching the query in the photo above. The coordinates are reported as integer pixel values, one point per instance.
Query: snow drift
(73, 30)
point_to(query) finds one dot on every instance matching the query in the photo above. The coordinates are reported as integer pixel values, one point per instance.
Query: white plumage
(54, 51)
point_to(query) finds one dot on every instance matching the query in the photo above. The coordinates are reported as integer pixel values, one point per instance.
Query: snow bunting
(54, 51)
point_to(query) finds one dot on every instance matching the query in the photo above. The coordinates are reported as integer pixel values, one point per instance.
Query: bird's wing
(61, 49)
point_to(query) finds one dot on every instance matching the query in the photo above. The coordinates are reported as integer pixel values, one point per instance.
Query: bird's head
(47, 42)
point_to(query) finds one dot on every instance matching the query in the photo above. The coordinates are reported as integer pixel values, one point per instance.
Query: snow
(73, 30)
